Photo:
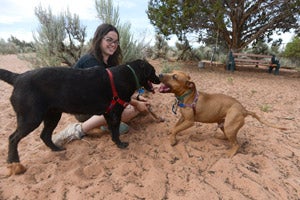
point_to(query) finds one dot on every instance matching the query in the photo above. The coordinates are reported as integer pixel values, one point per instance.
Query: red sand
(266, 167)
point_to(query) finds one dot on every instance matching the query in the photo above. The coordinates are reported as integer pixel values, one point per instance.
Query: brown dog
(207, 108)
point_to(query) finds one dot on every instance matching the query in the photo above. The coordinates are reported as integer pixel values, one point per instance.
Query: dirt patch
(266, 167)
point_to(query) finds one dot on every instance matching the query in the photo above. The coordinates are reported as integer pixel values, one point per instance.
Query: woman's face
(109, 44)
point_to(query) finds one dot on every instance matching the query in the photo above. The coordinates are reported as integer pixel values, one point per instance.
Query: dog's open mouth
(164, 88)
(150, 87)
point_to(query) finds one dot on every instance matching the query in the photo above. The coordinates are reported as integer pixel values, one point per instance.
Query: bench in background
(240, 59)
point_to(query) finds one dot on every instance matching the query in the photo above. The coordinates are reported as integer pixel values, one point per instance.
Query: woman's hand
(142, 105)
(141, 98)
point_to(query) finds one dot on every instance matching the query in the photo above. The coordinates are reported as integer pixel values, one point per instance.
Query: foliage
(23, 47)
(230, 80)
(60, 39)
(107, 13)
(7, 47)
(160, 48)
(14, 46)
(223, 58)
(186, 52)
(167, 67)
(260, 48)
(239, 22)
(131, 49)
(292, 49)
(290, 63)
(266, 108)
(292, 52)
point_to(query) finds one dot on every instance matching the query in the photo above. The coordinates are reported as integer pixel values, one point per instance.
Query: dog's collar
(179, 102)
(181, 98)
(138, 86)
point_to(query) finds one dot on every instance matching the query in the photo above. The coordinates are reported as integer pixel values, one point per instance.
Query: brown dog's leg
(223, 136)
(235, 147)
(231, 133)
(233, 122)
(179, 127)
(15, 168)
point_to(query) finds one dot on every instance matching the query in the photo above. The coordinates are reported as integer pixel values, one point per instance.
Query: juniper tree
(237, 22)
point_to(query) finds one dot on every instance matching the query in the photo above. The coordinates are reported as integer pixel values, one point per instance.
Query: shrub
(60, 39)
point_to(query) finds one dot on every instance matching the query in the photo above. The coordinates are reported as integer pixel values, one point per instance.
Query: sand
(266, 167)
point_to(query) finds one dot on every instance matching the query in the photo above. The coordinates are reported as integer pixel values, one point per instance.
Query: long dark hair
(95, 49)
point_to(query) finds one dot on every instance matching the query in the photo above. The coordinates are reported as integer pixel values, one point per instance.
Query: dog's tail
(8, 76)
(252, 114)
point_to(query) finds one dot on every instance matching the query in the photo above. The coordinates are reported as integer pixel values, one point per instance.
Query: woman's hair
(95, 49)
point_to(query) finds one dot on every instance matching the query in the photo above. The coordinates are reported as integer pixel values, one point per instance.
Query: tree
(292, 49)
(238, 22)
(131, 49)
(60, 39)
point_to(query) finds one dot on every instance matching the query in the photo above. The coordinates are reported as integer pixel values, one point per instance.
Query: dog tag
(141, 91)
(181, 105)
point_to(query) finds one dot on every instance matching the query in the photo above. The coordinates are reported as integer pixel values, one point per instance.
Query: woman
(104, 51)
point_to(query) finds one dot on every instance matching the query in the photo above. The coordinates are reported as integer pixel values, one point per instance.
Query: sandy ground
(266, 167)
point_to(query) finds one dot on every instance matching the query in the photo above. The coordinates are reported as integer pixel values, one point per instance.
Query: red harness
(115, 98)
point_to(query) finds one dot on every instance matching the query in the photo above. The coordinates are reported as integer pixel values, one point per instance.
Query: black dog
(42, 95)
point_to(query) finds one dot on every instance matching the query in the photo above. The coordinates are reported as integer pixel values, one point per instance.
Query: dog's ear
(147, 68)
(191, 85)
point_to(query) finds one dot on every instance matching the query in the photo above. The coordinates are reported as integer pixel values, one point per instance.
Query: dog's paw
(15, 169)
(123, 145)
(233, 151)
(57, 148)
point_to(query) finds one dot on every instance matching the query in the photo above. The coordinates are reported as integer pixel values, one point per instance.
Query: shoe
(124, 128)
(72, 132)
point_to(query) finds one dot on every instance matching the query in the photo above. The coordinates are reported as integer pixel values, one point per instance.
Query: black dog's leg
(25, 125)
(116, 136)
(51, 120)
(114, 125)
(14, 139)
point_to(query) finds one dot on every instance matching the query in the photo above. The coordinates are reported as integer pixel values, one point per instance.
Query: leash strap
(138, 86)
(115, 98)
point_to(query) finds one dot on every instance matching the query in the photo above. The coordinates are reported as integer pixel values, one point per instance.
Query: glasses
(110, 41)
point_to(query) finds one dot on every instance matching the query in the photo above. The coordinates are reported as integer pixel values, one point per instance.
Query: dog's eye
(174, 77)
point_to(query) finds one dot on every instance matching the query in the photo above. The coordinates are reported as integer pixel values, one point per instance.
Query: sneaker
(72, 132)
(124, 128)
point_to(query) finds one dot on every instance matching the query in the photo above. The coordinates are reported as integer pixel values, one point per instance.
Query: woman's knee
(129, 113)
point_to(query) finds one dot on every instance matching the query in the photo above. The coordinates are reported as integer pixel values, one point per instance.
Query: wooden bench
(241, 59)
